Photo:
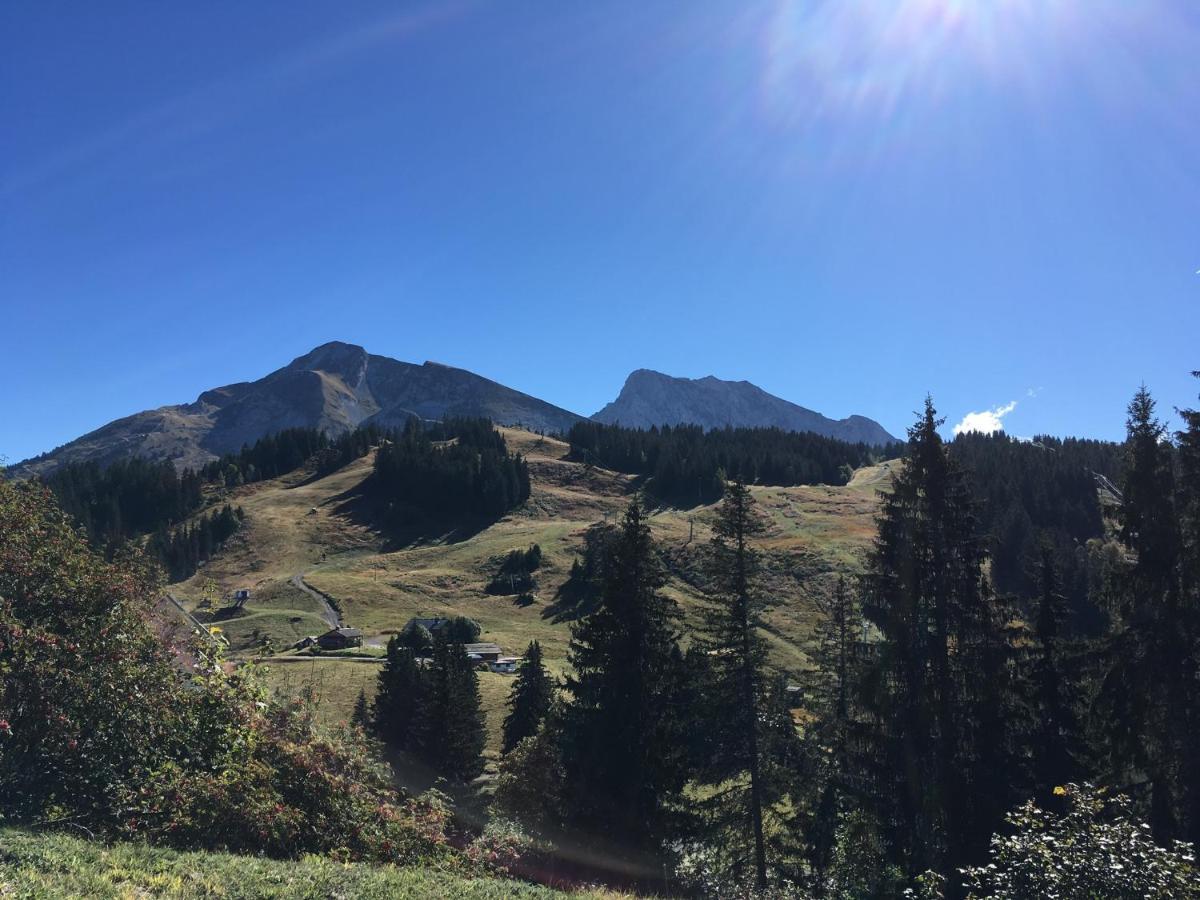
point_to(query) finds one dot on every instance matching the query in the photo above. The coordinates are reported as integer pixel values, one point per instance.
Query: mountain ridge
(650, 398)
(338, 386)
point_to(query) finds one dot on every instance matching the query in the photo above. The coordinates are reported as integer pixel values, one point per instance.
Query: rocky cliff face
(651, 398)
(335, 388)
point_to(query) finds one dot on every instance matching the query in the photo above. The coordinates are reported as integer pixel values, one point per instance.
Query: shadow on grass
(398, 527)
(577, 597)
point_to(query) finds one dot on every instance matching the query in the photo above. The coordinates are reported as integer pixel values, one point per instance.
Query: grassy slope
(815, 532)
(57, 866)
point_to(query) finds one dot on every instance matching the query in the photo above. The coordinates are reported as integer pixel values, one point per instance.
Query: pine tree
(745, 756)
(401, 686)
(529, 701)
(448, 726)
(1188, 505)
(1145, 691)
(1056, 732)
(361, 717)
(931, 736)
(623, 746)
(837, 642)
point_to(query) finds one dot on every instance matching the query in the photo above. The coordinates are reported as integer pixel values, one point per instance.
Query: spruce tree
(837, 643)
(1056, 734)
(448, 726)
(361, 717)
(745, 755)
(529, 701)
(622, 741)
(1188, 506)
(1145, 691)
(931, 735)
(401, 685)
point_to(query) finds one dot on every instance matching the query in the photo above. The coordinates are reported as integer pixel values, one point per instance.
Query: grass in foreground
(59, 866)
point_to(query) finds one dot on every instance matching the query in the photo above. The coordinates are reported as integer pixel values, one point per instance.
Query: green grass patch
(57, 867)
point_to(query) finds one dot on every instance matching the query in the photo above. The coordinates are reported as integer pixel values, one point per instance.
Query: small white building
(505, 665)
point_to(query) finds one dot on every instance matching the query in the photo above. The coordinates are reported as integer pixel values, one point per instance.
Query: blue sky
(847, 203)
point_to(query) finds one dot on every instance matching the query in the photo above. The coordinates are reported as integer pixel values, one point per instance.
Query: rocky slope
(335, 387)
(651, 398)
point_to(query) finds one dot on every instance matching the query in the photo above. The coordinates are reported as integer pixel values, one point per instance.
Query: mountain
(651, 398)
(335, 387)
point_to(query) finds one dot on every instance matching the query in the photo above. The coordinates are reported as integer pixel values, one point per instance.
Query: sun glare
(872, 54)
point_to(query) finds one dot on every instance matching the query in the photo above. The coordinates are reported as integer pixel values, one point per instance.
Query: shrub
(100, 729)
(1093, 851)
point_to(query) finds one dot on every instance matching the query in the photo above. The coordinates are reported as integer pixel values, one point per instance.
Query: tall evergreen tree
(529, 701)
(932, 681)
(745, 757)
(448, 726)
(837, 643)
(1055, 730)
(401, 686)
(1188, 505)
(1146, 689)
(622, 741)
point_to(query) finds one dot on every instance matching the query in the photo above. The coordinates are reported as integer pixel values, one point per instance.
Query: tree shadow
(398, 527)
(577, 597)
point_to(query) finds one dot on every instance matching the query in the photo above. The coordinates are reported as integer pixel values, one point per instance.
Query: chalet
(488, 653)
(340, 639)
(430, 625)
(505, 665)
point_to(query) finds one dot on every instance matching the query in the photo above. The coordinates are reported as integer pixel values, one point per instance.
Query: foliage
(529, 701)
(931, 743)
(686, 464)
(749, 748)
(1095, 850)
(457, 467)
(1037, 494)
(515, 574)
(127, 498)
(100, 729)
(622, 733)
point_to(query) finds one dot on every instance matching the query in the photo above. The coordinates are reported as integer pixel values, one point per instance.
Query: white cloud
(988, 421)
(1033, 392)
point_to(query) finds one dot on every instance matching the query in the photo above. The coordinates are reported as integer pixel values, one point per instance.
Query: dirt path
(328, 613)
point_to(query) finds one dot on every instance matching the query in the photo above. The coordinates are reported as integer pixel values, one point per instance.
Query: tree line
(686, 464)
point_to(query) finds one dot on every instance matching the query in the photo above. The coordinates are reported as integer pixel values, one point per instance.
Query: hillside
(335, 387)
(57, 867)
(650, 398)
(314, 528)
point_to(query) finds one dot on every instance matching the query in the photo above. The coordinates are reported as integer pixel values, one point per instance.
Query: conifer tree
(837, 642)
(622, 741)
(1145, 694)
(745, 755)
(1188, 505)
(932, 727)
(361, 717)
(401, 686)
(529, 701)
(1055, 730)
(448, 726)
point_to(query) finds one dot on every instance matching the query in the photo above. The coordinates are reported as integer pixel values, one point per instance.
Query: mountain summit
(651, 398)
(334, 387)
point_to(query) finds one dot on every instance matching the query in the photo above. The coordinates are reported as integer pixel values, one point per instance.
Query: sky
(850, 203)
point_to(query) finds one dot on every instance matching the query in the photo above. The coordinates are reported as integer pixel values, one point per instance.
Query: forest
(686, 464)
(445, 470)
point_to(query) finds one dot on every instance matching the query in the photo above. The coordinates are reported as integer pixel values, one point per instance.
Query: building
(505, 665)
(340, 639)
(488, 653)
(240, 598)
